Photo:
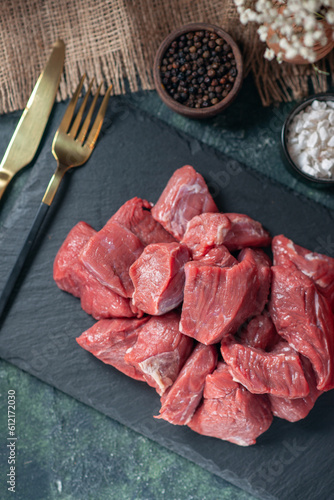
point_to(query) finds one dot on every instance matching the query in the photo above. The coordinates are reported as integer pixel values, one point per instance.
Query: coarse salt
(331, 117)
(323, 134)
(311, 139)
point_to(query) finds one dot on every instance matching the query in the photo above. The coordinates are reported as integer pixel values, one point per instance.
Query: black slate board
(135, 156)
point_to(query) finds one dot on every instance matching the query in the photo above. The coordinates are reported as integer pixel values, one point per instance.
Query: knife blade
(30, 128)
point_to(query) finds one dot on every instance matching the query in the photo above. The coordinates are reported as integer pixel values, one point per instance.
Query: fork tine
(66, 121)
(76, 124)
(82, 134)
(95, 130)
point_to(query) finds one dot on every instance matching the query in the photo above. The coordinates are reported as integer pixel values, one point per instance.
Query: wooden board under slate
(135, 157)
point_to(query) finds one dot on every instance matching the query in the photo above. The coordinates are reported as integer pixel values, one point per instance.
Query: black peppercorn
(198, 69)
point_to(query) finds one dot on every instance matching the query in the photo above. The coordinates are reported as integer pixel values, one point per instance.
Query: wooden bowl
(182, 109)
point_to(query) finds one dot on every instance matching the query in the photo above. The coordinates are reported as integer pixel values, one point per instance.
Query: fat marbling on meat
(160, 351)
(185, 196)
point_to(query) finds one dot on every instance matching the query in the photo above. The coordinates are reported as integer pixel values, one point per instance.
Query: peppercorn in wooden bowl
(198, 70)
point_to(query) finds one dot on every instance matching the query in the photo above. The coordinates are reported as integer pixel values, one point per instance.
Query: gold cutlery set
(72, 145)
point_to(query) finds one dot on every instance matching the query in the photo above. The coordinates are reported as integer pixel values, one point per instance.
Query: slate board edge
(220, 155)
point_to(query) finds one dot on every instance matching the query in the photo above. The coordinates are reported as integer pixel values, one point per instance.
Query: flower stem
(320, 71)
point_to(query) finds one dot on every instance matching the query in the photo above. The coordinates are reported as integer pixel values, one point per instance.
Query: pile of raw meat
(187, 302)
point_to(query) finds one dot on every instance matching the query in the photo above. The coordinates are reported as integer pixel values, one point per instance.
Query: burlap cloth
(116, 40)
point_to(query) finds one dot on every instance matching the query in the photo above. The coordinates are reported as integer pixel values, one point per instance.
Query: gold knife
(29, 131)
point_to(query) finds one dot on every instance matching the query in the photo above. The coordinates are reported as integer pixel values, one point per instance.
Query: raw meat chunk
(229, 411)
(135, 215)
(181, 400)
(260, 333)
(72, 277)
(219, 383)
(296, 409)
(245, 232)
(303, 317)
(219, 256)
(101, 302)
(66, 263)
(109, 339)
(160, 351)
(234, 231)
(278, 372)
(109, 254)
(185, 196)
(158, 277)
(205, 232)
(318, 267)
(218, 300)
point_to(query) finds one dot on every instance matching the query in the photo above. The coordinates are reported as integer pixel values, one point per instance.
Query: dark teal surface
(69, 451)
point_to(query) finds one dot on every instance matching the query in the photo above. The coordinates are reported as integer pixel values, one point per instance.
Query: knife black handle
(23, 256)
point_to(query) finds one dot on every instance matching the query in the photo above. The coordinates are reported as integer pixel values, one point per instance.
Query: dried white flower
(309, 40)
(263, 33)
(298, 23)
(284, 44)
(269, 54)
(287, 30)
(291, 53)
(310, 23)
(330, 17)
(244, 18)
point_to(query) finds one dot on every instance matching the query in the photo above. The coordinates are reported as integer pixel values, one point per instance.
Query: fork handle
(23, 256)
(54, 183)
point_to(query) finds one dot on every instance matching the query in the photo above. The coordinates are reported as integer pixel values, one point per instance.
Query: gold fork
(71, 149)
